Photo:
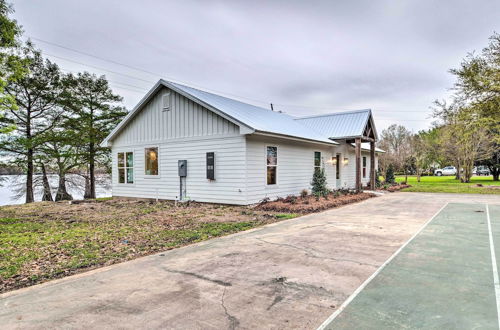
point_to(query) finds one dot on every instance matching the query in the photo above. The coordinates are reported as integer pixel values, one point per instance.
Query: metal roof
(339, 125)
(255, 119)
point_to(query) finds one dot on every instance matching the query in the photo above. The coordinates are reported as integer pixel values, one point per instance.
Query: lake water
(10, 183)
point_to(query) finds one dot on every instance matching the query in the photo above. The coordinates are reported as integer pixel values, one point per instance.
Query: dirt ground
(43, 241)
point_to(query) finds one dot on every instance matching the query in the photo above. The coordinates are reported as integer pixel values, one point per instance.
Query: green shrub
(389, 175)
(318, 183)
(377, 179)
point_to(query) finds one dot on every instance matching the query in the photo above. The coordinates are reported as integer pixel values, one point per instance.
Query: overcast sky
(307, 57)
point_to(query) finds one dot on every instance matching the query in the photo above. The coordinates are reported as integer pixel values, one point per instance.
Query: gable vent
(166, 102)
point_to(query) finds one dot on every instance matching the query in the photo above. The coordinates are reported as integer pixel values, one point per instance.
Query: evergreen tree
(389, 175)
(37, 96)
(95, 112)
(319, 185)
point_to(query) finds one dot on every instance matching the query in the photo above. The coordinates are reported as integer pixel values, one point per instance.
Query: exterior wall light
(334, 161)
(346, 161)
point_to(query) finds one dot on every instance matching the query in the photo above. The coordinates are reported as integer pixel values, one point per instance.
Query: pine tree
(319, 185)
(95, 113)
(37, 96)
(389, 175)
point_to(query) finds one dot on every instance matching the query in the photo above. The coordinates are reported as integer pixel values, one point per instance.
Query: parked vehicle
(448, 170)
(482, 170)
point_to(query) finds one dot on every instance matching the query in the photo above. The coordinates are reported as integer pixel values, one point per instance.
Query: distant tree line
(467, 130)
(51, 121)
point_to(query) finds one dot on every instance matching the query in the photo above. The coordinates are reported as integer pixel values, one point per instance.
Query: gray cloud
(312, 56)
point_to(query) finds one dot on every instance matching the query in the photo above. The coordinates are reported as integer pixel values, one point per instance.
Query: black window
(210, 166)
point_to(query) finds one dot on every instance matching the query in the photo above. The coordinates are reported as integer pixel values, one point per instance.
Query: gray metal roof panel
(338, 125)
(258, 118)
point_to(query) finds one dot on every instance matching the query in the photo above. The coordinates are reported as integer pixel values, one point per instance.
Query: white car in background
(448, 170)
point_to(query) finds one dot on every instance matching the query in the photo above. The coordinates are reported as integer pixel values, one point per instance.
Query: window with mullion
(125, 167)
(272, 165)
(317, 161)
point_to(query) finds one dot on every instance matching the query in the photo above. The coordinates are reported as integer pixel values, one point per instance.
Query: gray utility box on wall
(183, 168)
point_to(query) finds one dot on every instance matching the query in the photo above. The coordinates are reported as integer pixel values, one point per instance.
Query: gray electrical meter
(183, 168)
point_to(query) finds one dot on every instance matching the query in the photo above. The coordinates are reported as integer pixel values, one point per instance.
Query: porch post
(358, 164)
(372, 165)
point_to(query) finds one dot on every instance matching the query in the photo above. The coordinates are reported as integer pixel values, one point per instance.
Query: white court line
(369, 279)
(496, 282)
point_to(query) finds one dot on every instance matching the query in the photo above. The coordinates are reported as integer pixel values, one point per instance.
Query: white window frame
(276, 166)
(125, 167)
(320, 161)
(364, 166)
(152, 176)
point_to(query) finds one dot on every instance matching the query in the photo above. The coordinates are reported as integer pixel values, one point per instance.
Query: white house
(183, 143)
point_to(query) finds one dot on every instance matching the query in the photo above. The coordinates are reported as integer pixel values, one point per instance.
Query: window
(210, 165)
(126, 167)
(337, 167)
(317, 161)
(364, 167)
(272, 164)
(151, 161)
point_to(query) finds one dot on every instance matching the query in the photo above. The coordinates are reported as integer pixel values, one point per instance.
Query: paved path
(291, 274)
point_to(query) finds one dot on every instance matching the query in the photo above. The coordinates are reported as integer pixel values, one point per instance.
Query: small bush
(377, 179)
(319, 183)
(389, 175)
(304, 193)
(292, 199)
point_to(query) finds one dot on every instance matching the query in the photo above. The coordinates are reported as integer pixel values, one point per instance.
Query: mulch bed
(395, 187)
(309, 204)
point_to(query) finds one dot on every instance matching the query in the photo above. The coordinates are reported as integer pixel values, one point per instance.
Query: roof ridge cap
(335, 114)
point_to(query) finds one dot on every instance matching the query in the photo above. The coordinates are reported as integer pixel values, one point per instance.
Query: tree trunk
(458, 175)
(92, 170)
(418, 174)
(62, 194)
(29, 177)
(47, 194)
(86, 194)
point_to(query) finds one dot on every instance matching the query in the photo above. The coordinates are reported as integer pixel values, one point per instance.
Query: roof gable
(250, 118)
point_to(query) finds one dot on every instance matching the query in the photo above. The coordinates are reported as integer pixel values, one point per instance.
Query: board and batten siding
(187, 131)
(294, 171)
(185, 118)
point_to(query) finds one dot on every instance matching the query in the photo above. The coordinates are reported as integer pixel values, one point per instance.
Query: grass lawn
(42, 241)
(448, 184)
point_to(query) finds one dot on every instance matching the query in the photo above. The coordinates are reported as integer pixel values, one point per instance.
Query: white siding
(295, 167)
(184, 119)
(229, 184)
(188, 131)
(348, 172)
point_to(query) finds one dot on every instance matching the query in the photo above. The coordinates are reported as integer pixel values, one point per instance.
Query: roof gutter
(295, 138)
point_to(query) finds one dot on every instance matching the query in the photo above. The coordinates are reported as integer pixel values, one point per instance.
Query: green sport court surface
(446, 277)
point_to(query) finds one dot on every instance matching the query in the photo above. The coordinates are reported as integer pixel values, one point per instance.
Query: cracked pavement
(291, 274)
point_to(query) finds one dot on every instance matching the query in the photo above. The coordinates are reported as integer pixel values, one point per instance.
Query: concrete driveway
(291, 274)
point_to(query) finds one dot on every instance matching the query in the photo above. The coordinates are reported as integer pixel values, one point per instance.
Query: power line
(140, 89)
